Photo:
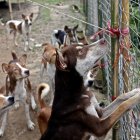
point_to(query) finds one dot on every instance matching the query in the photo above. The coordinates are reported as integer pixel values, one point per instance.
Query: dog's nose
(30, 24)
(90, 82)
(27, 72)
(11, 99)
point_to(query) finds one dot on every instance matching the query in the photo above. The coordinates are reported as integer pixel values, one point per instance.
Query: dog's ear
(23, 59)
(14, 55)
(31, 15)
(23, 16)
(45, 44)
(66, 28)
(60, 61)
(5, 68)
(75, 28)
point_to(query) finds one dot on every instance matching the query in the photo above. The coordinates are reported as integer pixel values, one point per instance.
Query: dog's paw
(16, 105)
(31, 125)
(1, 132)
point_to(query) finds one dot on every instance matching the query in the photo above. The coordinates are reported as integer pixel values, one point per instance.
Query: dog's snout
(11, 99)
(90, 83)
(27, 72)
(30, 24)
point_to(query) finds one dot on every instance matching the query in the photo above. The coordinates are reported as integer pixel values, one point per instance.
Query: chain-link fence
(122, 64)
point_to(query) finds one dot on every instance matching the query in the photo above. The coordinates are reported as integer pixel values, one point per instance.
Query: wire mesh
(130, 123)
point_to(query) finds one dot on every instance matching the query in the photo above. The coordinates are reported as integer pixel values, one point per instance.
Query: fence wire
(129, 124)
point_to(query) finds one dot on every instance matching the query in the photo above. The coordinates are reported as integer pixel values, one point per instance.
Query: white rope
(50, 8)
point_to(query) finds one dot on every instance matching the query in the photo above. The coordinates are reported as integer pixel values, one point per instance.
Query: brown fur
(12, 26)
(45, 111)
(49, 53)
(19, 28)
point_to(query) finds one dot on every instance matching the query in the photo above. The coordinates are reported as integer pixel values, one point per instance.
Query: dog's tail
(43, 91)
(3, 24)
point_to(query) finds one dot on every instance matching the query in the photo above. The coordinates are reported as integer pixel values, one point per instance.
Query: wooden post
(126, 57)
(114, 50)
(10, 9)
(125, 25)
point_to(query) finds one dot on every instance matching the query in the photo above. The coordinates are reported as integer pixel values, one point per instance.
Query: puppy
(23, 27)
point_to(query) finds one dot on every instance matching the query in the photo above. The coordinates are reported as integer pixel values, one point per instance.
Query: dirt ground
(41, 32)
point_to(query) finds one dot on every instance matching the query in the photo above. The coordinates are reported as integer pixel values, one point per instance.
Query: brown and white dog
(45, 110)
(23, 28)
(48, 66)
(71, 34)
(18, 85)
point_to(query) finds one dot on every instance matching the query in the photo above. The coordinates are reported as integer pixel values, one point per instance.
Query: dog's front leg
(100, 127)
(26, 41)
(16, 101)
(4, 123)
(110, 108)
(15, 39)
(30, 124)
(29, 90)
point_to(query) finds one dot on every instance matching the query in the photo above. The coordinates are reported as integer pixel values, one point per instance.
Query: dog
(74, 115)
(45, 110)
(23, 28)
(48, 66)
(18, 85)
(71, 33)
(58, 38)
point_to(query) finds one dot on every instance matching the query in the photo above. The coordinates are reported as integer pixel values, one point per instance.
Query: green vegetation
(135, 23)
(44, 12)
(49, 1)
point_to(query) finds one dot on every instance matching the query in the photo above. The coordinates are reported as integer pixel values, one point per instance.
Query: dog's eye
(91, 75)
(15, 69)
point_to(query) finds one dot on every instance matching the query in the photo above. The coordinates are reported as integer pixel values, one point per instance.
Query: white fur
(94, 53)
(23, 70)
(45, 91)
(88, 78)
